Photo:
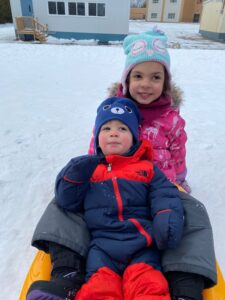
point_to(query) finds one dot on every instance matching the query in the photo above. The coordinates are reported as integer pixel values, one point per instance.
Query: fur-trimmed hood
(176, 93)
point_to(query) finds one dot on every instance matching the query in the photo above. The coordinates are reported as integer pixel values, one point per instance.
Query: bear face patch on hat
(146, 46)
(116, 108)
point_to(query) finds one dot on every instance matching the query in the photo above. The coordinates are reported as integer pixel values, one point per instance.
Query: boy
(130, 208)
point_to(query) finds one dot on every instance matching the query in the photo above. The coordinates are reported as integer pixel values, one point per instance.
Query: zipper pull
(109, 168)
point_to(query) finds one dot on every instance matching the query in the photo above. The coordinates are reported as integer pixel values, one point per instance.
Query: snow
(48, 98)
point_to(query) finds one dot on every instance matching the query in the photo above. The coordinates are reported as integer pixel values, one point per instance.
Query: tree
(138, 3)
(5, 12)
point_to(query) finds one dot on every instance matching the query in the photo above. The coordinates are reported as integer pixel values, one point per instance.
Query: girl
(146, 80)
(191, 267)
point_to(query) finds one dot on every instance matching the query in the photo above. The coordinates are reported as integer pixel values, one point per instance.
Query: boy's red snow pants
(103, 285)
(140, 282)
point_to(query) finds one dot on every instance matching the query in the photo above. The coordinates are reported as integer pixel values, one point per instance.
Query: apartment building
(173, 10)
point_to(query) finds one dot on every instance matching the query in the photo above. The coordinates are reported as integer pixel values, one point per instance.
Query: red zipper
(137, 224)
(142, 231)
(118, 199)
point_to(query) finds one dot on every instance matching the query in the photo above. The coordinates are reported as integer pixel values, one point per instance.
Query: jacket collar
(143, 151)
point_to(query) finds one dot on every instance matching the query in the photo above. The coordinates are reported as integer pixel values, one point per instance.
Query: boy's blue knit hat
(146, 46)
(116, 108)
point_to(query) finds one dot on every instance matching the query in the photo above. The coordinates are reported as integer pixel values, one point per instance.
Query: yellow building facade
(212, 24)
(191, 11)
(173, 10)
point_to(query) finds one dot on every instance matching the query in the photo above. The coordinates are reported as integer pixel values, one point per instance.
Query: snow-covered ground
(48, 98)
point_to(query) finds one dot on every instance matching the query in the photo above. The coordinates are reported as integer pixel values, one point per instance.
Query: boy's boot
(181, 298)
(67, 276)
(185, 286)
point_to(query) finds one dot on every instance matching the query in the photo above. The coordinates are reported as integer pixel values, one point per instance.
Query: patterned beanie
(146, 46)
(117, 108)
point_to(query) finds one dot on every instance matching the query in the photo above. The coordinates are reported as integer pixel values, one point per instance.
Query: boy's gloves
(167, 229)
(81, 168)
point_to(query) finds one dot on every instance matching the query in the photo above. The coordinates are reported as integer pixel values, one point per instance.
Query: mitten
(81, 168)
(168, 228)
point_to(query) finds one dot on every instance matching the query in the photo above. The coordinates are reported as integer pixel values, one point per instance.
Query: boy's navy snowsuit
(129, 207)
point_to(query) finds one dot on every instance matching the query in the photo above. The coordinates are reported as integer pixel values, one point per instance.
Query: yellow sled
(41, 268)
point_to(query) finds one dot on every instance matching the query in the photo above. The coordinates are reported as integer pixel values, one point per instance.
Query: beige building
(163, 10)
(191, 10)
(169, 11)
(212, 23)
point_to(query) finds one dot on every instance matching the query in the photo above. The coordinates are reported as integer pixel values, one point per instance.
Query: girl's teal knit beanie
(146, 46)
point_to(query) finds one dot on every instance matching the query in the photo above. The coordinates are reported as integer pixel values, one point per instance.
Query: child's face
(115, 138)
(146, 82)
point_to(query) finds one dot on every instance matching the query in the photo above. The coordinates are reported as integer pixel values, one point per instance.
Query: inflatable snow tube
(40, 269)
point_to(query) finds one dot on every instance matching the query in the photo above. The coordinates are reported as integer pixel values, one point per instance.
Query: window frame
(62, 3)
(57, 8)
(84, 8)
(49, 8)
(154, 17)
(76, 8)
(97, 9)
(171, 16)
(71, 4)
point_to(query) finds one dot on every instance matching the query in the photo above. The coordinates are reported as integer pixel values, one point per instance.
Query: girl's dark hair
(166, 87)
(167, 84)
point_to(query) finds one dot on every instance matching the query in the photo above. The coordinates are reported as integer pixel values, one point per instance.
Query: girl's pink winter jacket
(163, 126)
(168, 137)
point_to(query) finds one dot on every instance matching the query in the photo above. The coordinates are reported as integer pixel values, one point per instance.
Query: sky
(48, 99)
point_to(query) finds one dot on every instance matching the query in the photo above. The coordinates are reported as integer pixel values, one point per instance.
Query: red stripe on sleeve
(72, 181)
(162, 211)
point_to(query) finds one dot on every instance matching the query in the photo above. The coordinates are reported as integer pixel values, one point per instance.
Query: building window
(56, 8)
(76, 8)
(52, 8)
(171, 16)
(96, 9)
(101, 9)
(196, 18)
(80, 9)
(154, 15)
(92, 9)
(155, 1)
(61, 8)
(72, 8)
